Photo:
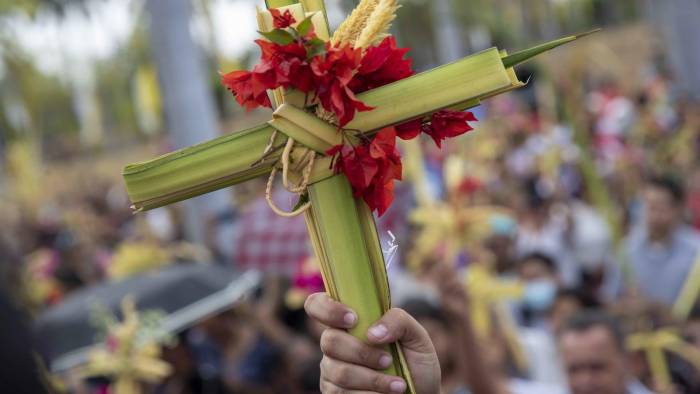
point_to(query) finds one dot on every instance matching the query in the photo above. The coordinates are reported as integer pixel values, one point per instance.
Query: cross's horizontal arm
(235, 158)
(200, 169)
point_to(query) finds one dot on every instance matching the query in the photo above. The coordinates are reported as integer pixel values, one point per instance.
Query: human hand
(352, 366)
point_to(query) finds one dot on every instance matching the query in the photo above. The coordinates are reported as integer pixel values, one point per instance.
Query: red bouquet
(293, 57)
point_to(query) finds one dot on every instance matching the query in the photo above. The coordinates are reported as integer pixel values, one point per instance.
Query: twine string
(304, 165)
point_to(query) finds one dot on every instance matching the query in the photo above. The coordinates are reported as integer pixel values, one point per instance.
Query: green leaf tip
(279, 3)
(278, 36)
(528, 54)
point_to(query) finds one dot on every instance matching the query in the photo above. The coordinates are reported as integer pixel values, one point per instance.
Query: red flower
(289, 61)
(277, 53)
(448, 124)
(382, 65)
(280, 20)
(281, 66)
(371, 169)
(248, 88)
(356, 164)
(442, 125)
(410, 130)
(383, 148)
(333, 73)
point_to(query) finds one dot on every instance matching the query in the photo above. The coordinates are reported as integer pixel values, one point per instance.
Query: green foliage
(115, 91)
(278, 36)
(29, 7)
(518, 23)
(415, 31)
(47, 100)
(279, 3)
(305, 26)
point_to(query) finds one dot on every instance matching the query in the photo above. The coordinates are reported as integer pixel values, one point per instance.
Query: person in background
(694, 197)
(539, 274)
(568, 303)
(662, 249)
(544, 226)
(592, 349)
(436, 322)
(540, 345)
(501, 243)
(21, 372)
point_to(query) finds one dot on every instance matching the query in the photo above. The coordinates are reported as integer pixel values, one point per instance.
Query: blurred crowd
(593, 205)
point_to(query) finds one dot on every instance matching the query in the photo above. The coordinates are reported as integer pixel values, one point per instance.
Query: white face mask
(539, 295)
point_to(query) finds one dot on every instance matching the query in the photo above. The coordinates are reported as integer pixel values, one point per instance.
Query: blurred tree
(34, 104)
(447, 32)
(679, 20)
(117, 83)
(32, 7)
(28, 6)
(49, 104)
(189, 108)
(415, 30)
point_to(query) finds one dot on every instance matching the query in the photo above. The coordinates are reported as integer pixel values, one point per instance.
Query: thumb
(398, 326)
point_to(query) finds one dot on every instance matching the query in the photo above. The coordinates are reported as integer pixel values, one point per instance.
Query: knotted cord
(304, 165)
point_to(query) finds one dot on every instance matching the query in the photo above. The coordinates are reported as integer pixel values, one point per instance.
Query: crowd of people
(595, 221)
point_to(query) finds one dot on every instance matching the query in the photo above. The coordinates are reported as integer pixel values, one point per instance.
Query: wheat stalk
(378, 24)
(350, 30)
(367, 25)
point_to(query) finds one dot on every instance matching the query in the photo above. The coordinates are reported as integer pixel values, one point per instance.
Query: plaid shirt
(274, 244)
(268, 242)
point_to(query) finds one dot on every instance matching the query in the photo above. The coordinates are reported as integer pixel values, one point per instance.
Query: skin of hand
(351, 366)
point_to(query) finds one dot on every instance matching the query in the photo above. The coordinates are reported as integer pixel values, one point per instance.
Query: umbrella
(186, 293)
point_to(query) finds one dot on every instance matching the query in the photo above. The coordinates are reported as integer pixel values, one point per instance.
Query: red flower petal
(371, 169)
(447, 124)
(268, 49)
(409, 130)
(280, 20)
(247, 89)
(384, 144)
(332, 73)
(381, 65)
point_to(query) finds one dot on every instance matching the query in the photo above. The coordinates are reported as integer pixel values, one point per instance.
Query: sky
(78, 39)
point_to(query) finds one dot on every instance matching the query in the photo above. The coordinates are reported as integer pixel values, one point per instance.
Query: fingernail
(385, 361)
(397, 386)
(379, 331)
(350, 319)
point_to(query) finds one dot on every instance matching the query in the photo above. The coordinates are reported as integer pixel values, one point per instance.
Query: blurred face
(534, 270)
(661, 212)
(593, 362)
(502, 248)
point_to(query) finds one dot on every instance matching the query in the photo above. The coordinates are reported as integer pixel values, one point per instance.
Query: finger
(340, 345)
(356, 377)
(329, 312)
(398, 326)
(329, 388)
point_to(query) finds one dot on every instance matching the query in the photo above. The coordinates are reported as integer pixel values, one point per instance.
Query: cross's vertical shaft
(344, 238)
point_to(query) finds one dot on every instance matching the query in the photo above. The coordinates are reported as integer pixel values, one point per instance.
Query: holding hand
(351, 366)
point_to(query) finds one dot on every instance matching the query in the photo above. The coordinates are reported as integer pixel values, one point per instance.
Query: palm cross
(341, 227)
(124, 359)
